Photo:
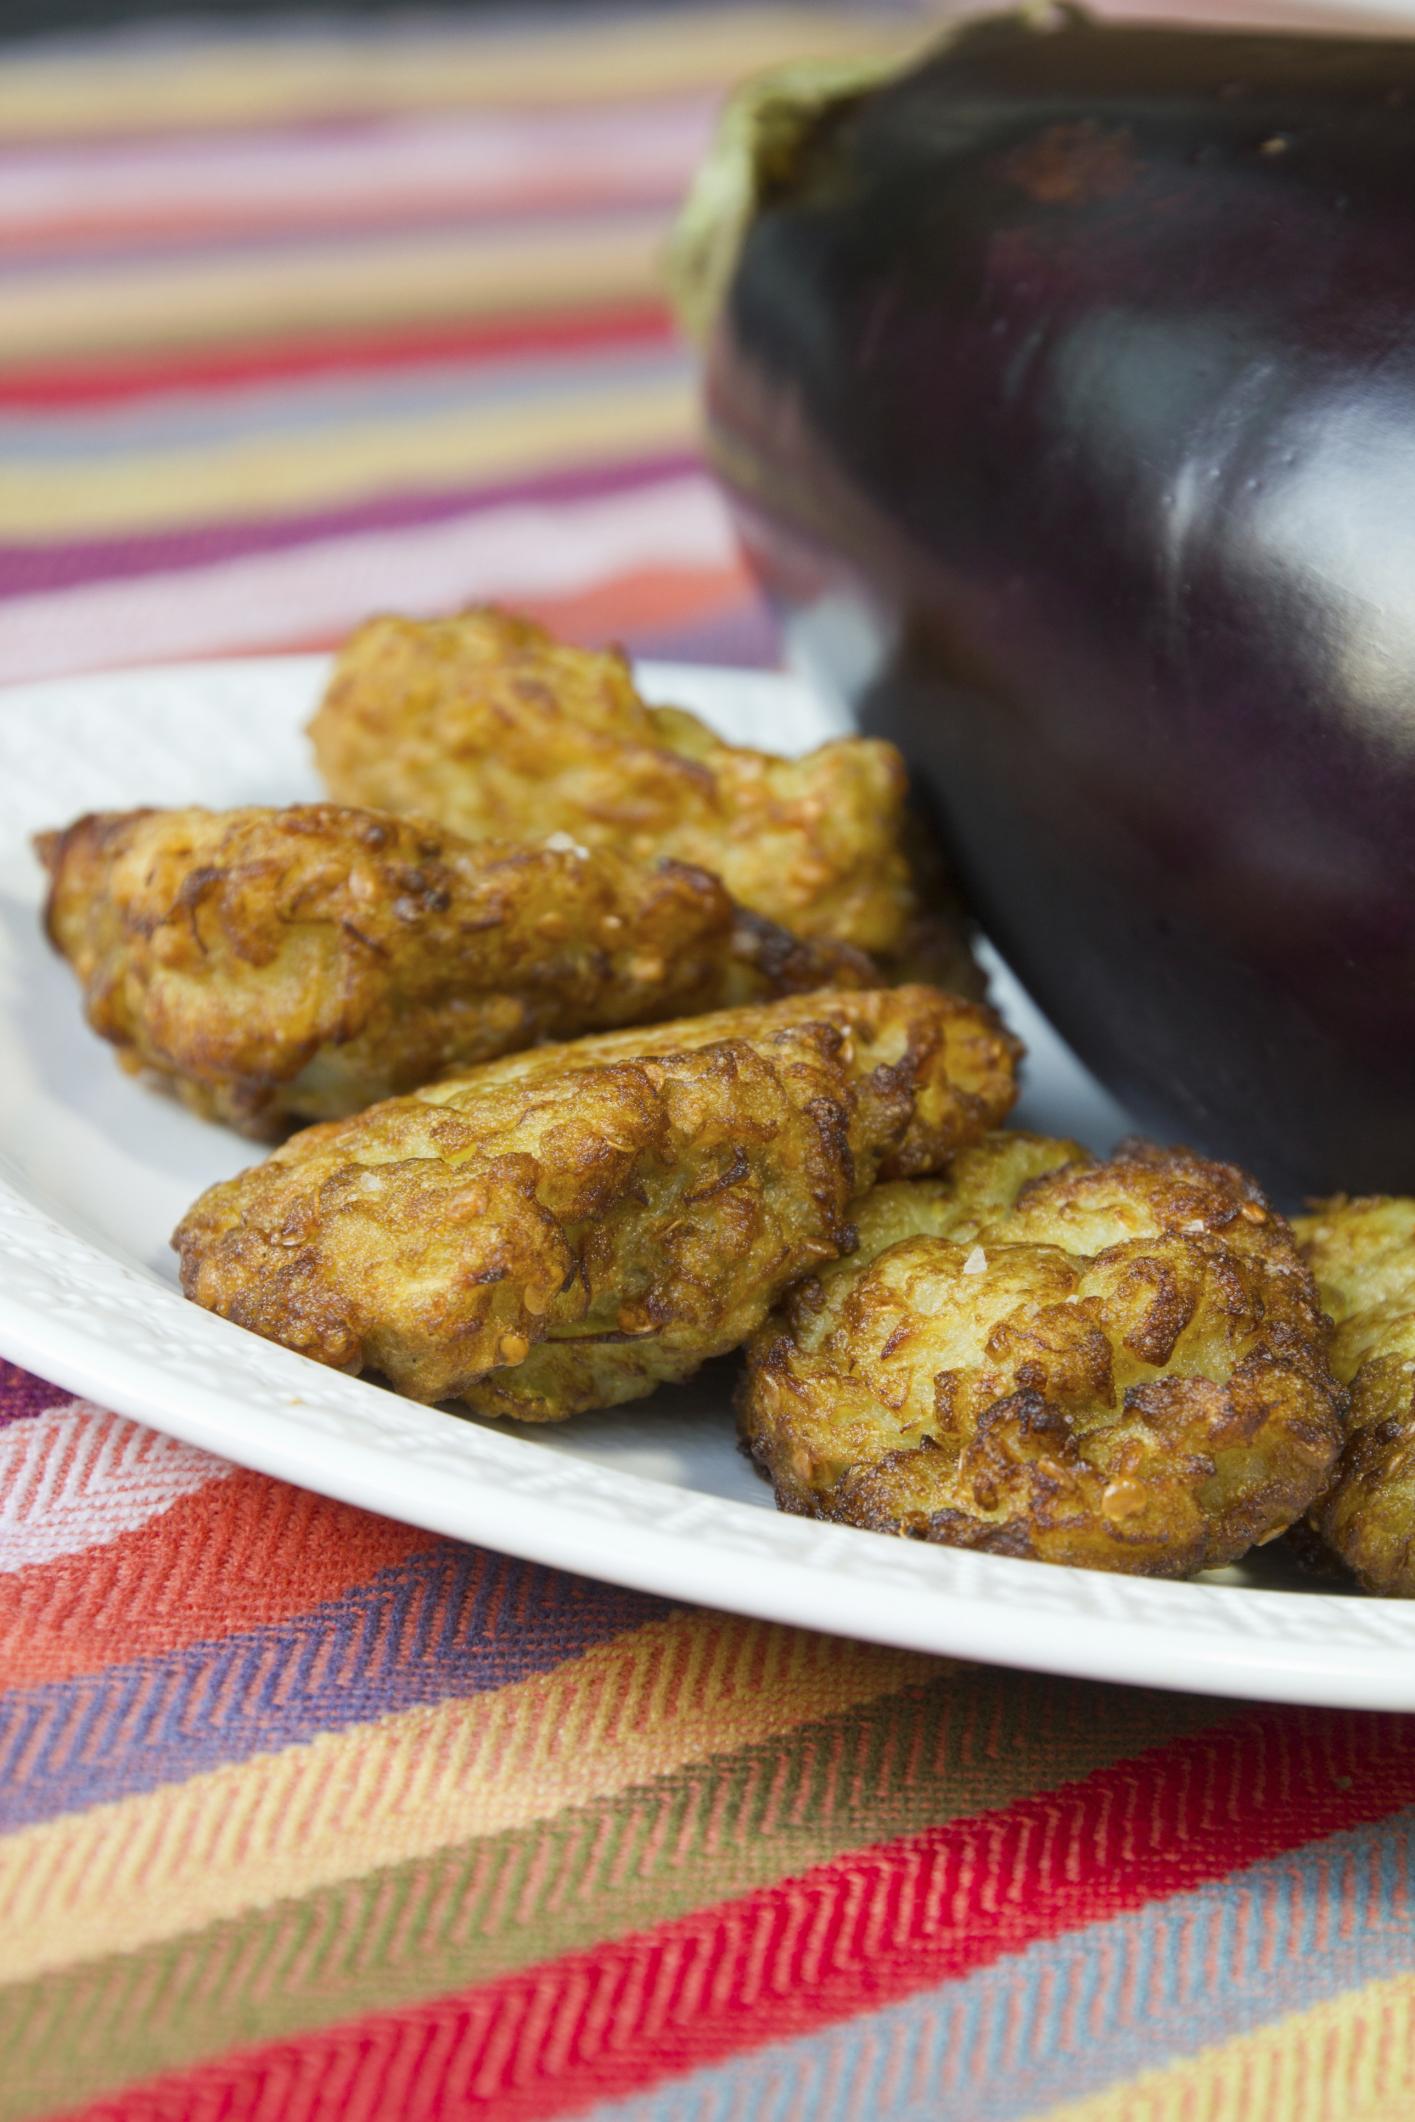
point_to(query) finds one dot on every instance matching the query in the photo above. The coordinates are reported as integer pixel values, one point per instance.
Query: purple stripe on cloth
(22, 1394)
(26, 570)
(449, 1623)
(165, 424)
(744, 637)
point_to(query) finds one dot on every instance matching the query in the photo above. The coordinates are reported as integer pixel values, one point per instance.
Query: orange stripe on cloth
(644, 601)
(237, 1555)
(648, 600)
(119, 1876)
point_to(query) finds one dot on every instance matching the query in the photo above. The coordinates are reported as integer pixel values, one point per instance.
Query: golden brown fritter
(489, 725)
(571, 1227)
(305, 962)
(1363, 1255)
(1119, 1365)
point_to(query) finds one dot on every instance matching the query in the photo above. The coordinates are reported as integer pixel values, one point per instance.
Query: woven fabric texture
(307, 1814)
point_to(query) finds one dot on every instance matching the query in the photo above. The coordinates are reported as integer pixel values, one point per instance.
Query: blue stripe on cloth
(189, 417)
(1076, 2014)
(450, 1622)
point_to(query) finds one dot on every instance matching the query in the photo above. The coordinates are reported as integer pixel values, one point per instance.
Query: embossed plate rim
(107, 1330)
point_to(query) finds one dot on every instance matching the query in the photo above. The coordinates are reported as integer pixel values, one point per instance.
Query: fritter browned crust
(1117, 1365)
(487, 724)
(1362, 1253)
(305, 962)
(570, 1227)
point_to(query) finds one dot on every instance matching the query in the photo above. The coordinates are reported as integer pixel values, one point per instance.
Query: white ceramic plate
(95, 1171)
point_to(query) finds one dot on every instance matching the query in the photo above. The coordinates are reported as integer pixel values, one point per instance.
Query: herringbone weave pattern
(305, 1814)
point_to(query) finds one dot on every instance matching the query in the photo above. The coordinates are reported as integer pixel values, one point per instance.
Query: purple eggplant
(1064, 387)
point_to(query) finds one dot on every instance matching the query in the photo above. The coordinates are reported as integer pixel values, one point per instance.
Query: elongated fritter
(570, 1227)
(487, 724)
(1362, 1253)
(1118, 1365)
(302, 963)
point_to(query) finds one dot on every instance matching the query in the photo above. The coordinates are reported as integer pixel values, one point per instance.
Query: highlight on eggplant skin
(1065, 392)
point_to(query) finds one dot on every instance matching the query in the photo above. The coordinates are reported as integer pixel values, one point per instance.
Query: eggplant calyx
(753, 155)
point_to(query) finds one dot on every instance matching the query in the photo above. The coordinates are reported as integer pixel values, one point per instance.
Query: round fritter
(1120, 1365)
(302, 963)
(570, 1227)
(1363, 1255)
(489, 725)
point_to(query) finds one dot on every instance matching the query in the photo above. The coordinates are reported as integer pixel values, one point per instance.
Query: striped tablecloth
(311, 1815)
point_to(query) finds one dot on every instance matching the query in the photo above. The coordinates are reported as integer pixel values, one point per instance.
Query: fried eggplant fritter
(570, 1227)
(1118, 1365)
(302, 963)
(1362, 1253)
(489, 725)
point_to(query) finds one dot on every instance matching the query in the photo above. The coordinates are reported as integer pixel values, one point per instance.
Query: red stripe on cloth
(659, 600)
(849, 1936)
(101, 379)
(214, 225)
(240, 1554)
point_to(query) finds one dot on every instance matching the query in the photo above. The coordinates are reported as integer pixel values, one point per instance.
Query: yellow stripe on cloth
(145, 1868)
(391, 279)
(282, 473)
(252, 80)
(1351, 2059)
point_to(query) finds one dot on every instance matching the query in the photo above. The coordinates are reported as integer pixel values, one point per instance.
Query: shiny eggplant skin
(1078, 365)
